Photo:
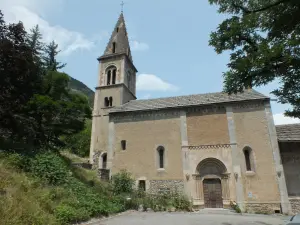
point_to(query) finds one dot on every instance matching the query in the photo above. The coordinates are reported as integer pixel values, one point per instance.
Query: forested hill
(79, 86)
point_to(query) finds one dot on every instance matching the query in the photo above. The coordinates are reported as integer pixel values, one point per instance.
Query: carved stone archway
(212, 169)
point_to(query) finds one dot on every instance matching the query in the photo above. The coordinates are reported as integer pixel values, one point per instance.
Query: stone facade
(263, 208)
(228, 139)
(166, 186)
(295, 203)
(143, 137)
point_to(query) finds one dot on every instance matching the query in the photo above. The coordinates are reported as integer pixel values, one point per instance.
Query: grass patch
(45, 188)
(50, 191)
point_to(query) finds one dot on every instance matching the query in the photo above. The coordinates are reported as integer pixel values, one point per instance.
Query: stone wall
(165, 186)
(262, 208)
(204, 126)
(251, 129)
(144, 133)
(295, 204)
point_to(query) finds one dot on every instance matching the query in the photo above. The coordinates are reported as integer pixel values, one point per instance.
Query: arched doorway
(212, 182)
(104, 160)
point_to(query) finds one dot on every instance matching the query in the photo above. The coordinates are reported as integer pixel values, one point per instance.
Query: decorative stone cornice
(207, 109)
(249, 105)
(214, 146)
(166, 112)
(144, 115)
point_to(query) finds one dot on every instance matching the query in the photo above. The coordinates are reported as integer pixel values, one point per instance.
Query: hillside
(79, 86)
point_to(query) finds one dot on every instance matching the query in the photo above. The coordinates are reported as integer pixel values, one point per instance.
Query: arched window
(111, 74)
(123, 144)
(110, 101)
(114, 74)
(106, 102)
(161, 156)
(249, 159)
(108, 77)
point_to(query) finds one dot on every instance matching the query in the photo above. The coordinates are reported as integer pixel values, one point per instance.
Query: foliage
(81, 87)
(235, 206)
(37, 105)
(20, 79)
(122, 183)
(51, 62)
(79, 143)
(50, 167)
(22, 199)
(160, 202)
(264, 38)
(57, 111)
(30, 200)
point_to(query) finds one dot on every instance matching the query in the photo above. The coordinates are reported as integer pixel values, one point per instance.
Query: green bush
(79, 144)
(235, 206)
(122, 183)
(13, 160)
(160, 202)
(50, 167)
(67, 214)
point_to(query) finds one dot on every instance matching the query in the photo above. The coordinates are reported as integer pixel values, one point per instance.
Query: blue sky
(169, 41)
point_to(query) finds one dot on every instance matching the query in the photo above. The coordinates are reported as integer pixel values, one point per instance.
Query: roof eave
(188, 106)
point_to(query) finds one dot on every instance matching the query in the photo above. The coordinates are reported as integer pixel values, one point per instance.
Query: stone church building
(212, 147)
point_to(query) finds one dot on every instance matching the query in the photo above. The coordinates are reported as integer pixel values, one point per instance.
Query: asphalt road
(150, 218)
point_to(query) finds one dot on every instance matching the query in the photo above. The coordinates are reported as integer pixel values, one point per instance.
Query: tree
(57, 110)
(36, 107)
(79, 143)
(35, 40)
(264, 39)
(20, 80)
(51, 51)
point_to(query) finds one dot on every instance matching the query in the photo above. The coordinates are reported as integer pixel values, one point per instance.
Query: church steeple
(118, 42)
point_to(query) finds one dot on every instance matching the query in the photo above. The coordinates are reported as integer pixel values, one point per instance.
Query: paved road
(149, 218)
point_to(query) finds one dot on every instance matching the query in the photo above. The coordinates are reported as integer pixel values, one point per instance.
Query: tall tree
(20, 80)
(51, 51)
(264, 39)
(57, 111)
(36, 108)
(35, 40)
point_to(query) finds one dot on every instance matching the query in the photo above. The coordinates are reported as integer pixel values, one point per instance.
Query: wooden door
(212, 193)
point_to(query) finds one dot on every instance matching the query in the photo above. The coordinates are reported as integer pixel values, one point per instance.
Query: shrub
(67, 214)
(13, 160)
(235, 206)
(50, 167)
(160, 202)
(122, 182)
(79, 143)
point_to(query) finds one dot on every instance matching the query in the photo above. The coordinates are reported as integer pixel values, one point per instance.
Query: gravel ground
(150, 218)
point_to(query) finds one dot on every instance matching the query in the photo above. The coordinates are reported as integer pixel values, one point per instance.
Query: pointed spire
(118, 42)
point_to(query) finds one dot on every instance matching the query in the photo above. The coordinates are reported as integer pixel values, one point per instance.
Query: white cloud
(281, 119)
(147, 96)
(138, 46)
(27, 12)
(149, 82)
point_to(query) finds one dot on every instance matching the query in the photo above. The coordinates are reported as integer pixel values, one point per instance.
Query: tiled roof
(288, 132)
(188, 100)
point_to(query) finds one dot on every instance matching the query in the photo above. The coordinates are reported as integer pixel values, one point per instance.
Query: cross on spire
(122, 6)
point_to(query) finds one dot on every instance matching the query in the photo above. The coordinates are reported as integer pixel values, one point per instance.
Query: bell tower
(116, 86)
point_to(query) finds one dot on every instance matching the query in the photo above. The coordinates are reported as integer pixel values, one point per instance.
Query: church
(214, 148)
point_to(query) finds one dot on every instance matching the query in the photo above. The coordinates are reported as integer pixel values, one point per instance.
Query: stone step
(217, 211)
